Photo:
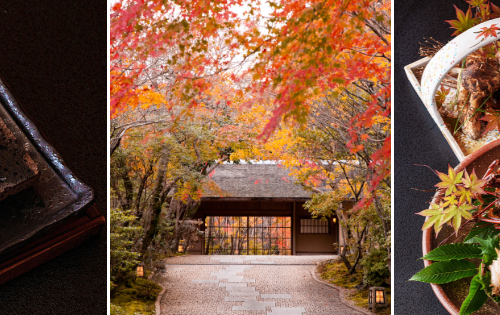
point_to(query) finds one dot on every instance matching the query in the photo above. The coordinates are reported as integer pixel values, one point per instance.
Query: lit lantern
(140, 269)
(376, 297)
(334, 220)
(180, 249)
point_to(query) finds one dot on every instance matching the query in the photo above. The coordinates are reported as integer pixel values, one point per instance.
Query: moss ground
(136, 296)
(336, 273)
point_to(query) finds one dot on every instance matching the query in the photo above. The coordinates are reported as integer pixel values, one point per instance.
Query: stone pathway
(241, 285)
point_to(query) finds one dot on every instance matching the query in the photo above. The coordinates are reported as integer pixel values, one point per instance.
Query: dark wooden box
(54, 214)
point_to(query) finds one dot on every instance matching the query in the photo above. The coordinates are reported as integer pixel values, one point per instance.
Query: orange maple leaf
(493, 119)
(491, 31)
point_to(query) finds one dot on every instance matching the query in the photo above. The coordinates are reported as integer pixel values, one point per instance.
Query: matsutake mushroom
(495, 275)
(480, 80)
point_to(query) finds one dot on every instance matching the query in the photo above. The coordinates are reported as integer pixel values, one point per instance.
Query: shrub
(375, 267)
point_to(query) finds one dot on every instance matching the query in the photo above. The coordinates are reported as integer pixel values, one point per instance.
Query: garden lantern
(334, 220)
(180, 249)
(376, 297)
(140, 269)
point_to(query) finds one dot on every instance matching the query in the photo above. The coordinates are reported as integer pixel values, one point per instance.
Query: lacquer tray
(45, 218)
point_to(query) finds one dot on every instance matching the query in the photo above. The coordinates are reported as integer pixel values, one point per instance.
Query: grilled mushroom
(480, 80)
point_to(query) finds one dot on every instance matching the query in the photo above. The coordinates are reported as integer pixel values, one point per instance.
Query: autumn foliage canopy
(280, 53)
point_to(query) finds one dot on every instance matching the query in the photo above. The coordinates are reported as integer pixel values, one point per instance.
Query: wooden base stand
(57, 241)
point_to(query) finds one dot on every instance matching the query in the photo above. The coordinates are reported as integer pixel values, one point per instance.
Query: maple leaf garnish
(464, 22)
(488, 31)
(474, 184)
(496, 10)
(449, 181)
(493, 119)
(464, 195)
(455, 214)
(475, 3)
(450, 200)
(442, 94)
(435, 214)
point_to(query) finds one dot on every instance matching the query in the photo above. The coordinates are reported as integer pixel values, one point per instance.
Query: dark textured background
(53, 57)
(417, 140)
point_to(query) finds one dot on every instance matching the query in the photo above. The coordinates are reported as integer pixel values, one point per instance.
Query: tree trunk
(180, 210)
(127, 183)
(160, 191)
(359, 251)
(343, 256)
(140, 191)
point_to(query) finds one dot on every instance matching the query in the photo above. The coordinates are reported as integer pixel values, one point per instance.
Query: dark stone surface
(20, 171)
(53, 58)
(417, 140)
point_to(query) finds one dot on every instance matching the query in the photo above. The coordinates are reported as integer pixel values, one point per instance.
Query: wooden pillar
(294, 216)
(203, 238)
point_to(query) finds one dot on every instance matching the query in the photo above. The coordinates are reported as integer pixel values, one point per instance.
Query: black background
(53, 58)
(417, 140)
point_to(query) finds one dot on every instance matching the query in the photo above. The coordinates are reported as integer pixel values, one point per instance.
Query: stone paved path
(244, 285)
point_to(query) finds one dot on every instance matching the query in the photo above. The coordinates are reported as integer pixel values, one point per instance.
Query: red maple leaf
(493, 119)
(491, 31)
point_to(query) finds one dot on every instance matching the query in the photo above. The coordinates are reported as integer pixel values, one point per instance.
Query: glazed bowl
(451, 295)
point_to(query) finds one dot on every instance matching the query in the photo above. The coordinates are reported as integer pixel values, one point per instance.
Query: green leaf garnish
(481, 230)
(476, 298)
(446, 271)
(488, 250)
(454, 251)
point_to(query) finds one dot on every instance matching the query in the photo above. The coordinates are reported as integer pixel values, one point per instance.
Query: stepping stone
(240, 298)
(224, 274)
(235, 261)
(205, 281)
(239, 267)
(275, 296)
(242, 293)
(265, 303)
(253, 306)
(286, 311)
(240, 279)
(234, 285)
(240, 289)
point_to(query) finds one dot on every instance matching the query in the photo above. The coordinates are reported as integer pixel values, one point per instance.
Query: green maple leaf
(474, 184)
(455, 214)
(464, 22)
(449, 181)
(451, 200)
(475, 3)
(493, 119)
(464, 195)
(435, 214)
(442, 94)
